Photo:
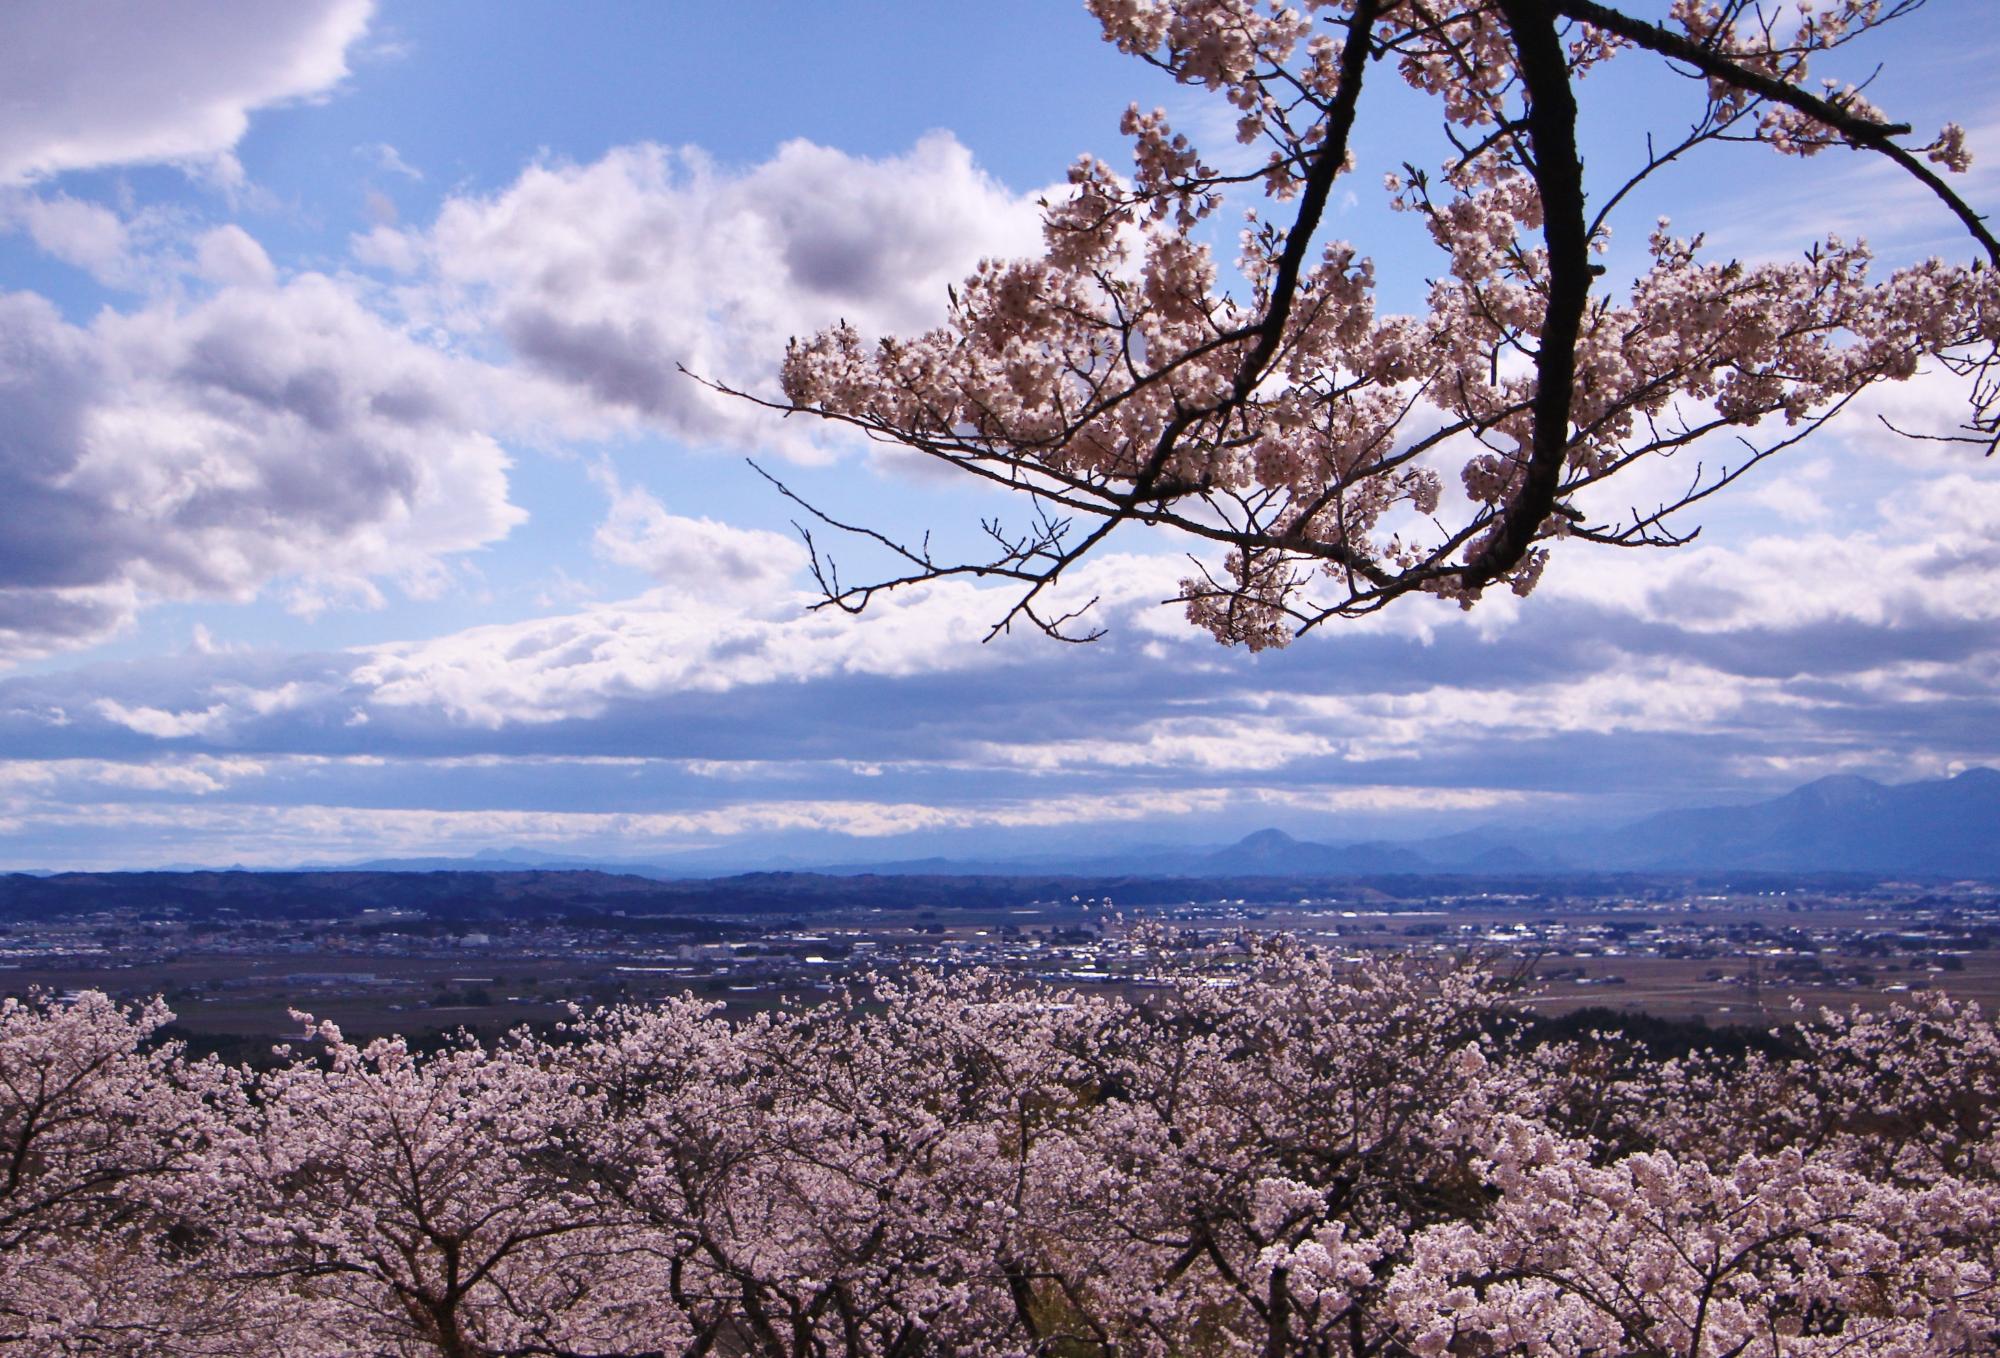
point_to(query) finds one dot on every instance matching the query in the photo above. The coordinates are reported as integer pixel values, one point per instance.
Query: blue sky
(351, 504)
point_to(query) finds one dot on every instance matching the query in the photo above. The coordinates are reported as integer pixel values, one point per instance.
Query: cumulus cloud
(205, 449)
(662, 645)
(88, 235)
(1924, 558)
(108, 82)
(284, 433)
(269, 430)
(700, 559)
(160, 723)
(605, 279)
(230, 256)
(38, 619)
(578, 665)
(1717, 649)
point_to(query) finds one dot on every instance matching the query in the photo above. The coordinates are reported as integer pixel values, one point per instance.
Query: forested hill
(335, 895)
(558, 894)
(519, 895)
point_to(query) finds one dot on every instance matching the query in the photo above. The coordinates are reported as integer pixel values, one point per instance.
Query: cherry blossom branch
(1871, 133)
(1112, 380)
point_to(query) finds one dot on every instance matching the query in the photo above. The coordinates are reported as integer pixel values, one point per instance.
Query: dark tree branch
(1876, 136)
(1558, 174)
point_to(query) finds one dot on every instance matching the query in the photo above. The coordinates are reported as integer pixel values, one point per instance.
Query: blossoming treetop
(1311, 439)
(1315, 1160)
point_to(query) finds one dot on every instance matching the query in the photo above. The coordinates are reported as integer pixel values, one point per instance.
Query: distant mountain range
(1946, 827)
(1836, 827)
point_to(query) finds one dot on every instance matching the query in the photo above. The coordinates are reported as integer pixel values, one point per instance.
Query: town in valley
(234, 954)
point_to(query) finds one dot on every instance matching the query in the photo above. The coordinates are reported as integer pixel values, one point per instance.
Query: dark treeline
(580, 894)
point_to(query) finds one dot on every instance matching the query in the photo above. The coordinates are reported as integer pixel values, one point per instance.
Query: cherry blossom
(1273, 1151)
(1337, 458)
(107, 1192)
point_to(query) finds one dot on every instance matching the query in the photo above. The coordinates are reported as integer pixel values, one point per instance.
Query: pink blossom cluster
(1297, 1156)
(1308, 439)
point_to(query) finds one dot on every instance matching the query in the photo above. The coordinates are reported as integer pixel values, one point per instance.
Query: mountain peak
(1264, 841)
(1839, 789)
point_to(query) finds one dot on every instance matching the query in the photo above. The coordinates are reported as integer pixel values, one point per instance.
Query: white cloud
(208, 449)
(390, 159)
(286, 834)
(160, 723)
(224, 706)
(1931, 555)
(1792, 499)
(577, 665)
(1862, 526)
(1212, 744)
(230, 256)
(1627, 696)
(197, 775)
(109, 82)
(705, 561)
(88, 235)
(604, 278)
(39, 619)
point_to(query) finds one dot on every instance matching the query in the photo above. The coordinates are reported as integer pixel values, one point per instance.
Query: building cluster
(1694, 950)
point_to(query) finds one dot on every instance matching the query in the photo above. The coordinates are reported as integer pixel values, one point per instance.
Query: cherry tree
(1840, 1199)
(876, 1176)
(1263, 1154)
(1653, 1253)
(405, 1204)
(1338, 458)
(1280, 1153)
(107, 1192)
